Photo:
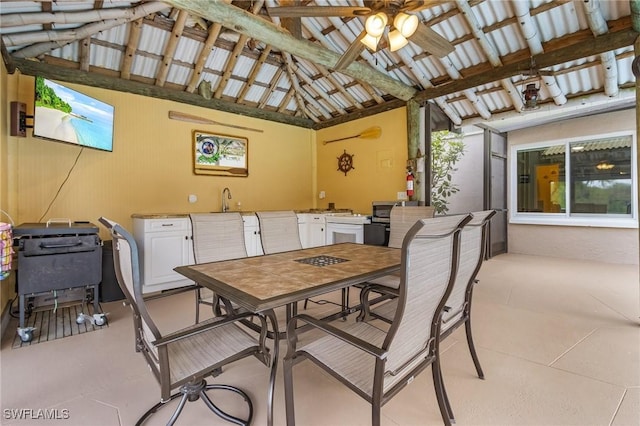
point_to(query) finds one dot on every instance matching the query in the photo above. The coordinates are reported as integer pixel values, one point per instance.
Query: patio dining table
(261, 283)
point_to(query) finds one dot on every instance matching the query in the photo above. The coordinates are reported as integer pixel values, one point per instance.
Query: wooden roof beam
(170, 49)
(235, 54)
(569, 52)
(254, 73)
(135, 28)
(64, 37)
(244, 22)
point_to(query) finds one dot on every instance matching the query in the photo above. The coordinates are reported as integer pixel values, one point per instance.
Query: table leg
(272, 377)
(291, 310)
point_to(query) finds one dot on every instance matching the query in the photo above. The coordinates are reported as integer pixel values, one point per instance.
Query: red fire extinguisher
(409, 184)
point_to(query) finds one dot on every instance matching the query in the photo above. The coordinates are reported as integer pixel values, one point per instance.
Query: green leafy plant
(447, 149)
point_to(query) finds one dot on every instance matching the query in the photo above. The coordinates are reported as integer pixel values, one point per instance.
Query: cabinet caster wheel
(100, 320)
(26, 334)
(26, 337)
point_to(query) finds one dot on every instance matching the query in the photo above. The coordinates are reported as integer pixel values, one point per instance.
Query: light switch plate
(402, 195)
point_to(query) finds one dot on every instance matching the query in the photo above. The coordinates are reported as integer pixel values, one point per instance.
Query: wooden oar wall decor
(175, 115)
(370, 133)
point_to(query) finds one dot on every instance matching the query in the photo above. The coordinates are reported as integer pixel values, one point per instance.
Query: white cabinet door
(168, 251)
(252, 235)
(163, 244)
(312, 229)
(316, 234)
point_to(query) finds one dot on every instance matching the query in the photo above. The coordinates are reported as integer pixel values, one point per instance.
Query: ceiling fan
(395, 14)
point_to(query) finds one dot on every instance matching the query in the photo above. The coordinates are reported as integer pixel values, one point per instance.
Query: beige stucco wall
(615, 245)
(612, 245)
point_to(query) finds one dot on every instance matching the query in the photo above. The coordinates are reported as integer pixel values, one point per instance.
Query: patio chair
(402, 219)
(216, 236)
(457, 310)
(279, 231)
(182, 359)
(377, 364)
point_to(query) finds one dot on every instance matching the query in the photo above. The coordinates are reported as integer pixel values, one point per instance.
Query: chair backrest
(127, 269)
(473, 241)
(429, 261)
(403, 218)
(279, 231)
(217, 236)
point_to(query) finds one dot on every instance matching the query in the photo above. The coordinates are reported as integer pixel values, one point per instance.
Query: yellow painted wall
(7, 285)
(379, 164)
(151, 167)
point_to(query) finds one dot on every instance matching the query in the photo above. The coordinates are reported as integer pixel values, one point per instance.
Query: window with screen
(569, 182)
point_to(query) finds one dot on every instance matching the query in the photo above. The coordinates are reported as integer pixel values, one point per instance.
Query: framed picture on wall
(217, 154)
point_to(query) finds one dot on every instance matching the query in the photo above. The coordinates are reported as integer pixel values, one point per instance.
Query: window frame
(566, 218)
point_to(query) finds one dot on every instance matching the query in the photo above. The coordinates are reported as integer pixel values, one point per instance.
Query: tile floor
(559, 341)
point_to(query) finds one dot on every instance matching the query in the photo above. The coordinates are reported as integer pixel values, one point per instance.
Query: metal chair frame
(215, 237)
(385, 313)
(405, 362)
(155, 347)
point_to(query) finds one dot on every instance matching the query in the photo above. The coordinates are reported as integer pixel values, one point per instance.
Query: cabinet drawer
(310, 218)
(160, 225)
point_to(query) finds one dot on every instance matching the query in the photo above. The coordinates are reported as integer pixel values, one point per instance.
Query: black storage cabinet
(57, 256)
(376, 234)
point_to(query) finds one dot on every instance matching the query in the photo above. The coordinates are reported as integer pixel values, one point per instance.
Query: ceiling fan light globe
(375, 24)
(406, 24)
(371, 42)
(396, 40)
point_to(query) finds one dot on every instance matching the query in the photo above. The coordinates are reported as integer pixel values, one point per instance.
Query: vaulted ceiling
(247, 58)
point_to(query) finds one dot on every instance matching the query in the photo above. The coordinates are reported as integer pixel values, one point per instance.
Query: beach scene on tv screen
(69, 116)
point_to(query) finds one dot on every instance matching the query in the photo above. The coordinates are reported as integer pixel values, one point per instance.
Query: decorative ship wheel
(345, 162)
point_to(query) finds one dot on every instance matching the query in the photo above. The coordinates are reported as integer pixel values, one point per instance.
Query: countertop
(244, 213)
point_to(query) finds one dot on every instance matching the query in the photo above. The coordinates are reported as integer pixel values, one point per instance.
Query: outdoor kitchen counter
(177, 215)
(244, 213)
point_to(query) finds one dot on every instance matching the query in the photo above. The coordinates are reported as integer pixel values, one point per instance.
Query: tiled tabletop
(265, 282)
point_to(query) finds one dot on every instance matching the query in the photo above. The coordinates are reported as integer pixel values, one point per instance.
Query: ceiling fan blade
(417, 5)
(316, 11)
(351, 53)
(431, 41)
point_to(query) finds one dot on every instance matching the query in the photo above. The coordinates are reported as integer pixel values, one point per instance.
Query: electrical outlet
(322, 195)
(402, 195)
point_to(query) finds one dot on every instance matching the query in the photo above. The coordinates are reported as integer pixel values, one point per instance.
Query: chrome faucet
(225, 203)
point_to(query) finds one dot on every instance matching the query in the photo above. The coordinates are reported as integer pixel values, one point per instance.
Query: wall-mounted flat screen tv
(66, 115)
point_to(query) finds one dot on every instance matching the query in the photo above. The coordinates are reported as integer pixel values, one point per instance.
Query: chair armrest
(365, 304)
(335, 332)
(202, 327)
(382, 289)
